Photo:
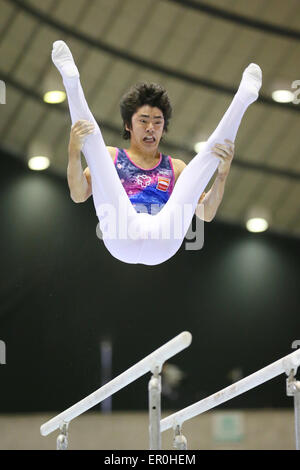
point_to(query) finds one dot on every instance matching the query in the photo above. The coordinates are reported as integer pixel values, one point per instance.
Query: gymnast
(133, 181)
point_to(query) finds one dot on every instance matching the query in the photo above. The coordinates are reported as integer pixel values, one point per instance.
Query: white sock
(250, 84)
(63, 60)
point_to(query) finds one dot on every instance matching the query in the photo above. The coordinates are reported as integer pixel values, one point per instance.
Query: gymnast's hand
(79, 131)
(225, 154)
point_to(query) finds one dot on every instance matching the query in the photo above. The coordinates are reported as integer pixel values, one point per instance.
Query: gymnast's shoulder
(112, 151)
(178, 166)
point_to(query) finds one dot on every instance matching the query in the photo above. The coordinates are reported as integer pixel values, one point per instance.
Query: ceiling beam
(147, 64)
(241, 20)
(171, 146)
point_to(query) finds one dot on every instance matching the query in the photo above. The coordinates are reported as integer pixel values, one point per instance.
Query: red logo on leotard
(163, 183)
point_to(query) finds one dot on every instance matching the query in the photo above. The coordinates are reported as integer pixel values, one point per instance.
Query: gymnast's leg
(107, 187)
(108, 191)
(196, 175)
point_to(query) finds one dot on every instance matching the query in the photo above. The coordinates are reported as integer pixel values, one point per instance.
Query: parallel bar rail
(152, 363)
(285, 364)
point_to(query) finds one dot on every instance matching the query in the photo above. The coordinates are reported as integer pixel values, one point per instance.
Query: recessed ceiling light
(283, 96)
(257, 224)
(54, 97)
(198, 146)
(38, 163)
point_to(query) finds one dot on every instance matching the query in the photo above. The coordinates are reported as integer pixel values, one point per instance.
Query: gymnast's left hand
(224, 152)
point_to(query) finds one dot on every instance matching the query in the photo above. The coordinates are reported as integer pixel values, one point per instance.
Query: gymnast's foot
(63, 60)
(250, 84)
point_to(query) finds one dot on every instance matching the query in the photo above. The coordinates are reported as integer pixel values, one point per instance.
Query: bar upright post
(62, 440)
(154, 389)
(293, 390)
(179, 442)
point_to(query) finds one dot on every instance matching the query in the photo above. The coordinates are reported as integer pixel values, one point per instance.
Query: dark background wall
(61, 293)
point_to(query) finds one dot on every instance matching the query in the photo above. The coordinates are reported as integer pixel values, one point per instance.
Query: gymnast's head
(146, 111)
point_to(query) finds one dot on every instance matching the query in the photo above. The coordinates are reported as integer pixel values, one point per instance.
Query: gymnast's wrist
(222, 177)
(74, 151)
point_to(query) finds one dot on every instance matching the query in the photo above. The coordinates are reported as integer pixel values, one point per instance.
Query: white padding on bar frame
(148, 364)
(285, 364)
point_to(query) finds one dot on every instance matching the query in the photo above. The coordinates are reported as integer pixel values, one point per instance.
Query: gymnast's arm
(179, 166)
(112, 151)
(79, 181)
(213, 198)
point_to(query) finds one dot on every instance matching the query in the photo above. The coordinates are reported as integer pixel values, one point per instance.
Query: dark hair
(142, 94)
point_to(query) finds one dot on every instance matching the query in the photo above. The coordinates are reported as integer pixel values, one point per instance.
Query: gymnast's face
(147, 126)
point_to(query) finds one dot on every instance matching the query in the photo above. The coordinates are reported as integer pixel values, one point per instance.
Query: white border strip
(291, 361)
(149, 363)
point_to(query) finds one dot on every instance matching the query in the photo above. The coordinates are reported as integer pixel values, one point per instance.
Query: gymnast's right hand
(79, 131)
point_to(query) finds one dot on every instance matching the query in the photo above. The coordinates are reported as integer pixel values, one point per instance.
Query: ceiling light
(39, 163)
(257, 224)
(54, 97)
(283, 96)
(198, 146)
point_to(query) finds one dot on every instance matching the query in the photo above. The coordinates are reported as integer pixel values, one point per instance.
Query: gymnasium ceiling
(197, 50)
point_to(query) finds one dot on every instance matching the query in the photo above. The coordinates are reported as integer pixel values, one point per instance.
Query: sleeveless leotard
(147, 189)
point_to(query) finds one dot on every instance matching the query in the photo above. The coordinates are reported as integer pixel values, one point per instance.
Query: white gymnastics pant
(139, 242)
